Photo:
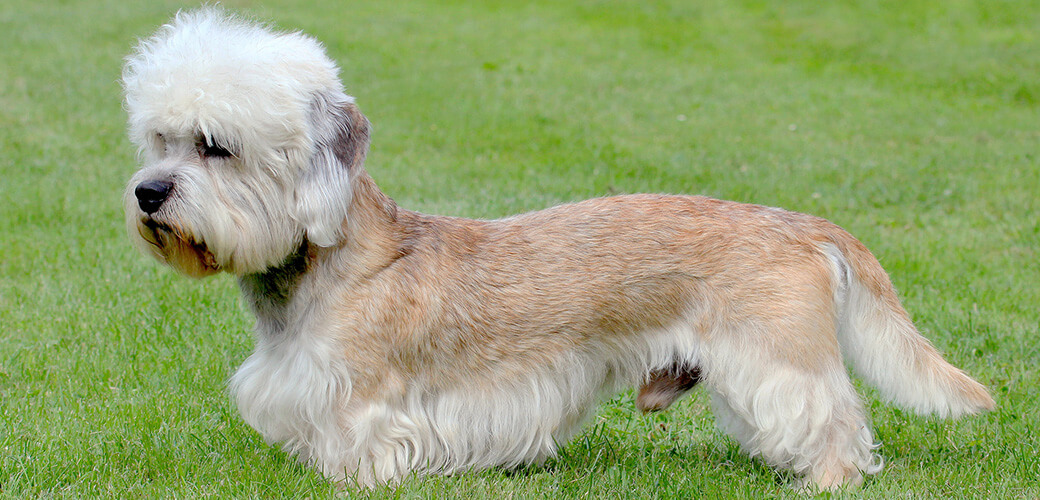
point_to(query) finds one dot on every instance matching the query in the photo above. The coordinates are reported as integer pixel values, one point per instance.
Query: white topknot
(208, 70)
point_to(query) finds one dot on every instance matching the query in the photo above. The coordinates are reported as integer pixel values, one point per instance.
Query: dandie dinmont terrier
(390, 342)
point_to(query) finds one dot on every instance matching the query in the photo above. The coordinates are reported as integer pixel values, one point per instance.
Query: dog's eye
(215, 151)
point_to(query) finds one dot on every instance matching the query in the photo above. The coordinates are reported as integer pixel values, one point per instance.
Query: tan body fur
(391, 342)
(490, 299)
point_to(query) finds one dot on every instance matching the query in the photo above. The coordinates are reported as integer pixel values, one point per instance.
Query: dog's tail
(883, 346)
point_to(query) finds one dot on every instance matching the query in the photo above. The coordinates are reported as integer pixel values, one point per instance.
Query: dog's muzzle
(151, 195)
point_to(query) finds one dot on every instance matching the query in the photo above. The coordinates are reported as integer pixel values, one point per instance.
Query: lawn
(913, 124)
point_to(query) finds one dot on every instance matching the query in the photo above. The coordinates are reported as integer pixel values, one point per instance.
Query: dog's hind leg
(808, 420)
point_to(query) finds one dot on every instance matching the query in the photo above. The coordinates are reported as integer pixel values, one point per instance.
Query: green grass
(914, 124)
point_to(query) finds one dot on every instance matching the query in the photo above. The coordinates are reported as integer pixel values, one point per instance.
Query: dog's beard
(177, 248)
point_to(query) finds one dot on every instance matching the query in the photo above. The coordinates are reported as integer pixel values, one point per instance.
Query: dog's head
(247, 140)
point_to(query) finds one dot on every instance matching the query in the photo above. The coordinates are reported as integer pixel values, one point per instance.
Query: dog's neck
(374, 235)
(269, 292)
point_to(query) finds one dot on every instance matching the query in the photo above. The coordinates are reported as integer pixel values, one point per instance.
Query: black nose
(152, 194)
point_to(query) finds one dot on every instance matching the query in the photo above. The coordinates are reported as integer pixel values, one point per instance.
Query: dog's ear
(324, 191)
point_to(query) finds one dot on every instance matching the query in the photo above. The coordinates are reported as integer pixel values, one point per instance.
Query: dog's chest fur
(290, 387)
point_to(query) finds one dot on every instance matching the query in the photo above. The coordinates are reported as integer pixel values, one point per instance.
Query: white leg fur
(808, 422)
(290, 392)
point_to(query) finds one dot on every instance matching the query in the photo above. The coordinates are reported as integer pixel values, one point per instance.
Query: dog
(390, 342)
